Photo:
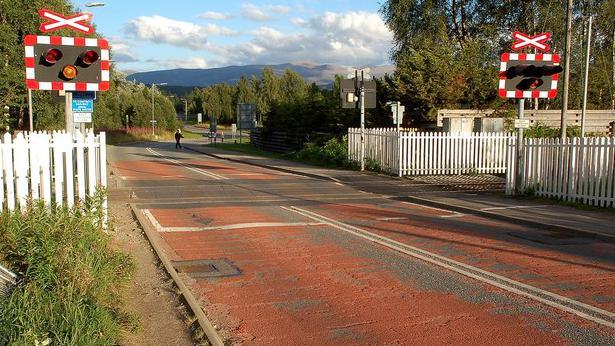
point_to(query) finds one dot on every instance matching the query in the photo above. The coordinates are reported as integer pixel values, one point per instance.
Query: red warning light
(89, 57)
(53, 55)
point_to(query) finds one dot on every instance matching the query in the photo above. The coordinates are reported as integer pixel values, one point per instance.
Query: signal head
(88, 58)
(53, 55)
(69, 72)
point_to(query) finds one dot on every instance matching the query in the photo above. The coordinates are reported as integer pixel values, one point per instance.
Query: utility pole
(566, 67)
(186, 109)
(586, 75)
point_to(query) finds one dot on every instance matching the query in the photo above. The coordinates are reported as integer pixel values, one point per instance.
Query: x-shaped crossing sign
(58, 21)
(525, 41)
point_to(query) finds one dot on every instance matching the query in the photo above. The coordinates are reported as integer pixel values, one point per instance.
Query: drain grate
(207, 268)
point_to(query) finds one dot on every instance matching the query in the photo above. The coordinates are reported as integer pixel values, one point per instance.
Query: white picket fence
(426, 153)
(573, 169)
(54, 167)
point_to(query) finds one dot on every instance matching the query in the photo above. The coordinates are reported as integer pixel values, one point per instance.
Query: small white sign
(234, 128)
(82, 117)
(522, 123)
(199, 118)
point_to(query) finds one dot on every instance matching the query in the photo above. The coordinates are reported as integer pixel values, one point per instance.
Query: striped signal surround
(32, 83)
(519, 94)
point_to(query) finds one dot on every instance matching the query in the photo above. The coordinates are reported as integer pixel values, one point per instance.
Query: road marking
(194, 169)
(455, 215)
(562, 303)
(391, 218)
(429, 207)
(163, 229)
(516, 207)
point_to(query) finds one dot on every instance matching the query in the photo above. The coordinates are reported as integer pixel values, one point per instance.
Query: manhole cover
(206, 268)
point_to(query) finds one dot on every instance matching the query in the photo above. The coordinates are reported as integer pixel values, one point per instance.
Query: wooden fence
(573, 169)
(53, 167)
(421, 153)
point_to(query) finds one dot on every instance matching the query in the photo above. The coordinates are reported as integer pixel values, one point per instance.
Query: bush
(542, 131)
(333, 153)
(70, 278)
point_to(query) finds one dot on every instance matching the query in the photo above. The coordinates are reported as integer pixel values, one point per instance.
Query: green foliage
(220, 100)
(334, 153)
(70, 278)
(542, 131)
(447, 52)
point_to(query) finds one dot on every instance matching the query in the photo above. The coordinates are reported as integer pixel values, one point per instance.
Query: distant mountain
(320, 74)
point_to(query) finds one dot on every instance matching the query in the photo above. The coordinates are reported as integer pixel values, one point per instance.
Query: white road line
(152, 219)
(562, 303)
(428, 207)
(194, 169)
(391, 218)
(239, 226)
(516, 207)
(163, 229)
(455, 215)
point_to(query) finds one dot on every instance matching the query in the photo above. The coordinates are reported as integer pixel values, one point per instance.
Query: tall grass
(71, 278)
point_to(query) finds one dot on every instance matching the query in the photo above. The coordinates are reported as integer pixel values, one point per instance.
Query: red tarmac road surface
(307, 278)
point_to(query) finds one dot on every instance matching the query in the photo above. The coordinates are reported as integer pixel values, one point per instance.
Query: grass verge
(332, 153)
(71, 278)
(116, 137)
(247, 148)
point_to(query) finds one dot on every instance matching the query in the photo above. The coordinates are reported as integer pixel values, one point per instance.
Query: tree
(446, 52)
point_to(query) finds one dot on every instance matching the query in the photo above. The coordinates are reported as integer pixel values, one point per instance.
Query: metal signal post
(362, 101)
(519, 159)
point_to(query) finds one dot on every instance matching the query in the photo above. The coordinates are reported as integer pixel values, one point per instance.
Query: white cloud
(253, 12)
(191, 62)
(214, 15)
(262, 13)
(160, 29)
(121, 51)
(351, 38)
(279, 9)
(299, 21)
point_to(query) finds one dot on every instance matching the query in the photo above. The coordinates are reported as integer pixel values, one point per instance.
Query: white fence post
(40, 166)
(9, 176)
(577, 170)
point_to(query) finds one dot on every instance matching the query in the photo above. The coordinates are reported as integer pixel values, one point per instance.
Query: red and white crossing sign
(522, 40)
(67, 63)
(537, 71)
(57, 21)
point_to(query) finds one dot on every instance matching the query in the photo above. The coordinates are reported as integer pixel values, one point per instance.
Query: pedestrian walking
(178, 137)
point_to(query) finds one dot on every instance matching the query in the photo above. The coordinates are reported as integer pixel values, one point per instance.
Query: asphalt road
(277, 258)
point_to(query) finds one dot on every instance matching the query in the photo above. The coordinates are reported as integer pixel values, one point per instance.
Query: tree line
(446, 52)
(124, 100)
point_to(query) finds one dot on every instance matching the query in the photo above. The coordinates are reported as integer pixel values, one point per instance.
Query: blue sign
(84, 95)
(83, 106)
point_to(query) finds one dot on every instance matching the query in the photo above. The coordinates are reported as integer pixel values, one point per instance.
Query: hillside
(319, 74)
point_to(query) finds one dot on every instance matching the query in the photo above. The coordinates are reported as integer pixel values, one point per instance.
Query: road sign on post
(527, 41)
(57, 21)
(350, 92)
(66, 63)
(528, 75)
(359, 93)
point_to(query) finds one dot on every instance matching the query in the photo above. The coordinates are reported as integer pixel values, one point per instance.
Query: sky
(165, 34)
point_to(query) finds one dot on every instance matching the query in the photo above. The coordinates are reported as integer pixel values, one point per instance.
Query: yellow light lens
(69, 72)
